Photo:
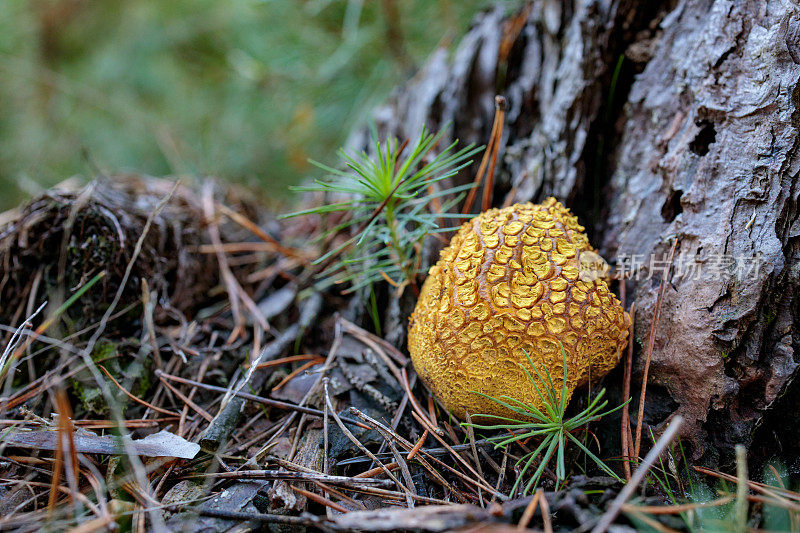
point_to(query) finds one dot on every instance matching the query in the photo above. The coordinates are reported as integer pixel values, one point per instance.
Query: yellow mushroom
(512, 281)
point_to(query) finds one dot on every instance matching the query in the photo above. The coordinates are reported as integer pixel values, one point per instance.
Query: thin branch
(626, 394)
(650, 345)
(627, 491)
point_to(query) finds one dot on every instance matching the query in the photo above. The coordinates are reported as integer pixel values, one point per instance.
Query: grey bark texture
(655, 121)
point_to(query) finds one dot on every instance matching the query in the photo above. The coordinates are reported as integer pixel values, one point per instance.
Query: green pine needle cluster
(552, 426)
(388, 205)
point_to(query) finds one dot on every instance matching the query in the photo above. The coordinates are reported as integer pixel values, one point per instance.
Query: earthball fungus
(523, 279)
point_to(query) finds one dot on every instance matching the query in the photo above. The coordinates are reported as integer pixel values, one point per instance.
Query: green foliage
(243, 89)
(387, 205)
(724, 509)
(551, 426)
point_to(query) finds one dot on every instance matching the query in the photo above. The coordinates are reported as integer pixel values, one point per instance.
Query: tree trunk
(655, 121)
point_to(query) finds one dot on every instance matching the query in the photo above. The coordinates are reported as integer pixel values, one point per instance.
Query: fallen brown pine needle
(377, 471)
(760, 487)
(651, 340)
(284, 360)
(320, 499)
(294, 373)
(258, 399)
(135, 398)
(674, 509)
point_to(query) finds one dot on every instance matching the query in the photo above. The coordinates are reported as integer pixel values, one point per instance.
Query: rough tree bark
(655, 121)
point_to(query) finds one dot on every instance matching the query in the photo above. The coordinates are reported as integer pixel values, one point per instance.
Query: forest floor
(168, 364)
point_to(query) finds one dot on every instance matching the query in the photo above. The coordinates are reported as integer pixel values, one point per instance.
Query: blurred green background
(246, 90)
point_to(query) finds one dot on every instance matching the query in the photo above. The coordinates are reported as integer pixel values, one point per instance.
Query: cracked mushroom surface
(510, 282)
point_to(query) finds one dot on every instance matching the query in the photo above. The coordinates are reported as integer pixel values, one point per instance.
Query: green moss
(103, 350)
(129, 367)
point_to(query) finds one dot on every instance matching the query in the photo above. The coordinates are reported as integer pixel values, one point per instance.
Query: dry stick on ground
(196, 408)
(546, 522)
(650, 345)
(675, 509)
(539, 500)
(273, 475)
(258, 399)
(55, 480)
(29, 309)
(283, 361)
(398, 496)
(337, 341)
(501, 476)
(389, 436)
(201, 372)
(326, 467)
(66, 431)
(479, 481)
(778, 503)
(418, 445)
(385, 351)
(741, 506)
(653, 523)
(474, 449)
(399, 414)
(365, 336)
(149, 323)
(330, 490)
(297, 371)
(79, 495)
(306, 520)
(627, 491)
(353, 438)
(221, 428)
(298, 434)
(416, 408)
(408, 446)
(374, 471)
(261, 234)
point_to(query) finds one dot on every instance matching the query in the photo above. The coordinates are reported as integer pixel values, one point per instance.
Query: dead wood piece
(430, 518)
(220, 429)
(272, 475)
(309, 460)
(161, 444)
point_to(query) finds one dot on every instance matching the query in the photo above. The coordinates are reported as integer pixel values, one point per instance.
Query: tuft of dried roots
(63, 238)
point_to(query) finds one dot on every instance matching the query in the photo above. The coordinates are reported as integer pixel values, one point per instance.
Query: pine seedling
(387, 198)
(551, 426)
